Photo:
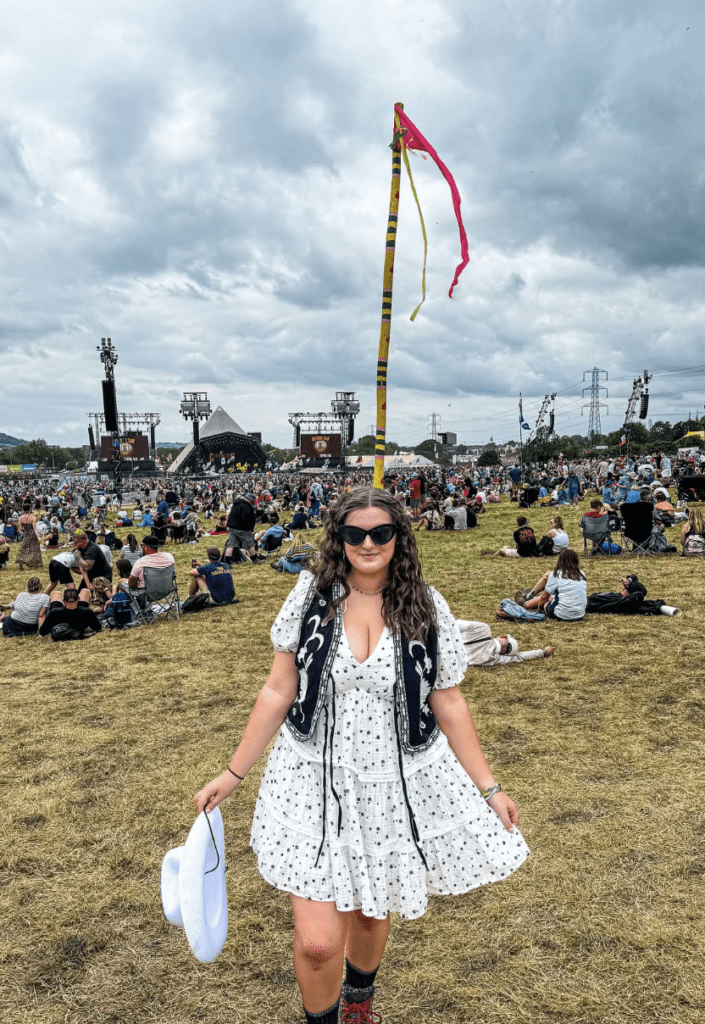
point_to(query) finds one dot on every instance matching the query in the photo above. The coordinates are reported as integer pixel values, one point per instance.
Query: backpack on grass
(694, 545)
(119, 613)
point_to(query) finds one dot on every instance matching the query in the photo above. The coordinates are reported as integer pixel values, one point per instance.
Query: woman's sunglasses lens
(355, 535)
(352, 535)
(382, 534)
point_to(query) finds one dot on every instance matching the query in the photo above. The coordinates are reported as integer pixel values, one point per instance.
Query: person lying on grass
(629, 600)
(560, 594)
(485, 651)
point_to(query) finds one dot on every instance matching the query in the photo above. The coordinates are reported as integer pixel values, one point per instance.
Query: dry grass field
(104, 744)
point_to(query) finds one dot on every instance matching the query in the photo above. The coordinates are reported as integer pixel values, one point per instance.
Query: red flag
(413, 139)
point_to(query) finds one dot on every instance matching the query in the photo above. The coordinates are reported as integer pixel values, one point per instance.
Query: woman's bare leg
(367, 938)
(320, 931)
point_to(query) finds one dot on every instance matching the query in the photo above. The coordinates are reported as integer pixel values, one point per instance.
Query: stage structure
(116, 440)
(220, 445)
(640, 394)
(543, 431)
(323, 438)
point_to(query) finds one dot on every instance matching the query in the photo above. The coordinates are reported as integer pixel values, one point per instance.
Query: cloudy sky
(207, 183)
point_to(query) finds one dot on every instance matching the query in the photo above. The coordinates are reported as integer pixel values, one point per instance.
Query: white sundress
(366, 857)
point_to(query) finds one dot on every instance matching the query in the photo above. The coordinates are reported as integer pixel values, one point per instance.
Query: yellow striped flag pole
(386, 326)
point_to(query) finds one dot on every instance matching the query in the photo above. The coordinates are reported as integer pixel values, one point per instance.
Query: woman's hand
(215, 792)
(506, 809)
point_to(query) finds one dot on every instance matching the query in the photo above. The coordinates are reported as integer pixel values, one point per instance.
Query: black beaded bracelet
(240, 777)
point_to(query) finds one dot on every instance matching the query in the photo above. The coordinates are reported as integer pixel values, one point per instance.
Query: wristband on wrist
(489, 793)
(240, 777)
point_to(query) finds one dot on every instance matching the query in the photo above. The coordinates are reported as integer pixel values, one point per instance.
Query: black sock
(329, 1016)
(356, 978)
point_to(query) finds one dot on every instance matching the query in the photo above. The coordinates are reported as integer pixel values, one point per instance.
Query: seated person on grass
(27, 611)
(73, 612)
(213, 578)
(663, 501)
(301, 520)
(524, 541)
(4, 553)
(271, 538)
(220, 527)
(124, 571)
(596, 510)
(693, 532)
(429, 518)
(560, 594)
(102, 594)
(151, 559)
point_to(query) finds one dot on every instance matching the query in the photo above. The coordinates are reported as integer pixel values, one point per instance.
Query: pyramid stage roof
(220, 433)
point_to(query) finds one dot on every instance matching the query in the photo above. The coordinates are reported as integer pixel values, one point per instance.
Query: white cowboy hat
(194, 896)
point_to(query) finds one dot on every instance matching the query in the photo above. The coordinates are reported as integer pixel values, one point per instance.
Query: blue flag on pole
(522, 422)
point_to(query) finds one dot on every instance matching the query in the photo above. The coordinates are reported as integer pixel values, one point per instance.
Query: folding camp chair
(159, 590)
(637, 524)
(596, 529)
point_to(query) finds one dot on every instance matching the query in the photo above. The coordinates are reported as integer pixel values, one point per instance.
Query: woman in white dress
(376, 792)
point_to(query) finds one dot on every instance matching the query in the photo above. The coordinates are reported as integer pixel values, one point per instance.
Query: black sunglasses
(355, 535)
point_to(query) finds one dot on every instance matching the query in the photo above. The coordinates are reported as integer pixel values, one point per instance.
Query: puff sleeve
(452, 655)
(286, 628)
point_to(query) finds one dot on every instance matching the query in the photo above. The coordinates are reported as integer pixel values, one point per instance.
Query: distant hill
(10, 442)
(171, 444)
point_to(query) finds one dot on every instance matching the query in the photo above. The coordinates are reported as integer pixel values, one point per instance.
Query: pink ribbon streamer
(413, 139)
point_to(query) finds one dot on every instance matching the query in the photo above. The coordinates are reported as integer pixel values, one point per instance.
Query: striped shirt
(157, 560)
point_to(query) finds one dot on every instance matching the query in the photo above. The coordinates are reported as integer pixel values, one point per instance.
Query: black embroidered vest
(416, 666)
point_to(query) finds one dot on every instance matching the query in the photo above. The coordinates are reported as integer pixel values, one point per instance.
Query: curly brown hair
(407, 604)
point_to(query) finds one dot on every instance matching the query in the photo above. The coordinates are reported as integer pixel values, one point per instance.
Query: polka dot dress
(369, 860)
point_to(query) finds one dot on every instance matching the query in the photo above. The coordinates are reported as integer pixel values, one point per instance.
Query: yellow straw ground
(105, 743)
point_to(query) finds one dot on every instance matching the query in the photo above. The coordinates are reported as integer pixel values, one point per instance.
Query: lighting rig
(640, 394)
(195, 406)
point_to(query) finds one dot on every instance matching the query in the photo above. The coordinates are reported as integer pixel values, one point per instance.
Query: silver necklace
(367, 593)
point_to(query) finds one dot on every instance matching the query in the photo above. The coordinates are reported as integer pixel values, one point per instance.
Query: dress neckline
(352, 655)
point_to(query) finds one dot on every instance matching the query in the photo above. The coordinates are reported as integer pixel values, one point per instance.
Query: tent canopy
(390, 461)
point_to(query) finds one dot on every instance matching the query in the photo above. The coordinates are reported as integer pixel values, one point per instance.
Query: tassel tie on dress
(328, 747)
(328, 773)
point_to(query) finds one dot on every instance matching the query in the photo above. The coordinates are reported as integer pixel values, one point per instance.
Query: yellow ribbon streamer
(423, 231)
